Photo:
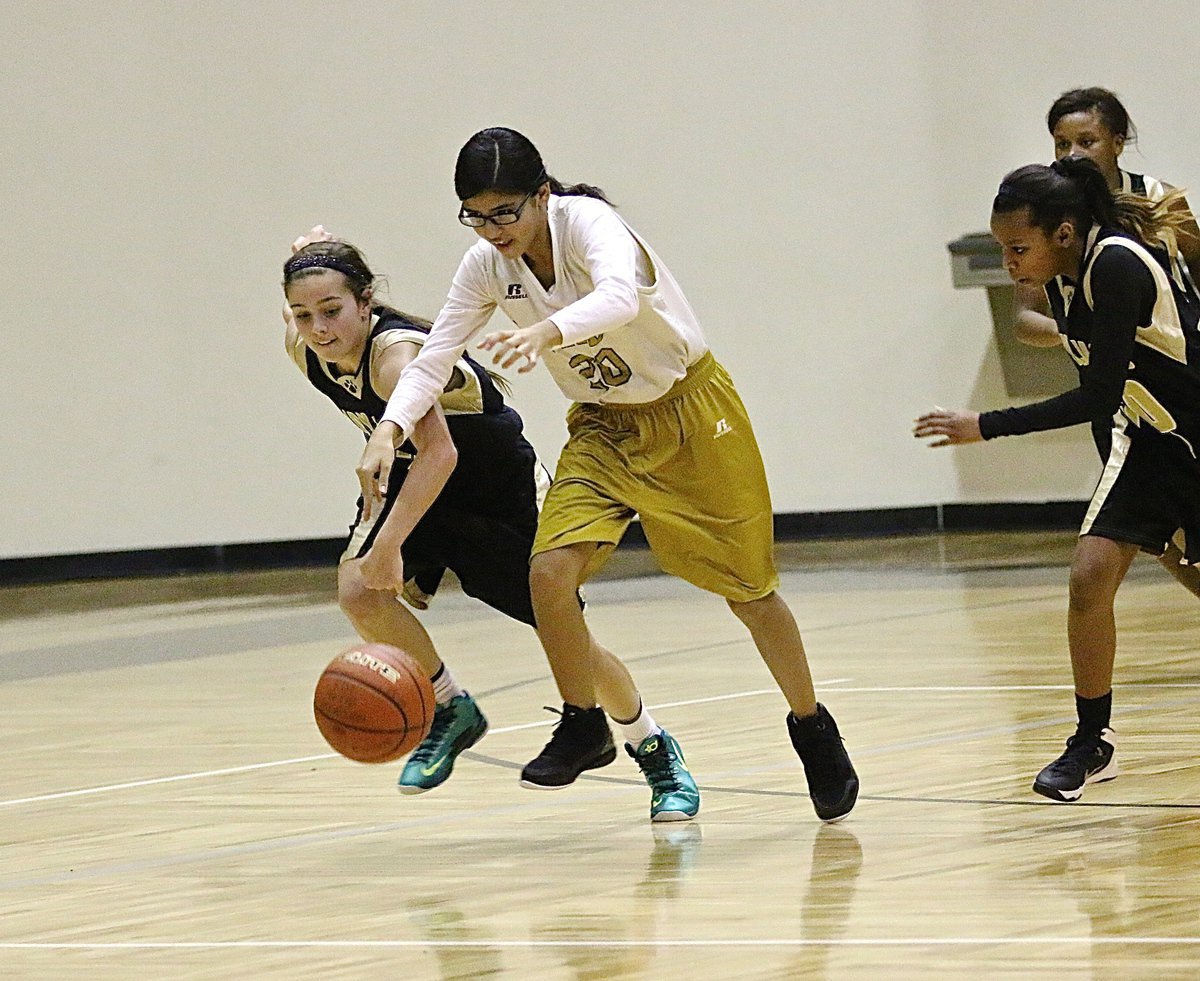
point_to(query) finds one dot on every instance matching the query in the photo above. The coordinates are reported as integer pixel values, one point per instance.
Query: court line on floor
(596, 787)
(226, 771)
(621, 943)
(250, 767)
(953, 737)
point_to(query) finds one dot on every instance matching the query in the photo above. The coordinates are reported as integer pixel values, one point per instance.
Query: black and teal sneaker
(457, 726)
(674, 796)
(1089, 758)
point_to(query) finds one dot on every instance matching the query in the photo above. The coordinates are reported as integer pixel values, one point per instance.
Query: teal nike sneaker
(457, 726)
(674, 796)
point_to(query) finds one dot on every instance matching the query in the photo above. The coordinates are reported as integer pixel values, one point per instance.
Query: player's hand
(528, 343)
(375, 467)
(315, 234)
(950, 425)
(382, 568)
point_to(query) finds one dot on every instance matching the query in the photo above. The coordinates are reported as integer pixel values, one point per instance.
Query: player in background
(657, 429)
(1128, 312)
(1093, 123)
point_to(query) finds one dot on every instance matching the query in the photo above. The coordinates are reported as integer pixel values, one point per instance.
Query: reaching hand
(375, 466)
(383, 569)
(528, 343)
(952, 426)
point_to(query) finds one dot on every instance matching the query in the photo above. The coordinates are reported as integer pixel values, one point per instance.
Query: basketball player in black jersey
(1094, 123)
(1129, 314)
(467, 499)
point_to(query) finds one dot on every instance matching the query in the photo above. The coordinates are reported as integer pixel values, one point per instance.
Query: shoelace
(1083, 746)
(443, 716)
(659, 768)
(561, 733)
(1080, 748)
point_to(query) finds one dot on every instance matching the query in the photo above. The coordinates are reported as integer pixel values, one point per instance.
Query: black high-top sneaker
(581, 741)
(832, 782)
(1090, 757)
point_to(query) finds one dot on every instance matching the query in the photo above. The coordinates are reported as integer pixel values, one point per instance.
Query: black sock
(1094, 713)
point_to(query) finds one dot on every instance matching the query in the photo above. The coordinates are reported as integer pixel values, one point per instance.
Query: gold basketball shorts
(688, 465)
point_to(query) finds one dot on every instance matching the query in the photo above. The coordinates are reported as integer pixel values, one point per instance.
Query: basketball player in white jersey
(657, 430)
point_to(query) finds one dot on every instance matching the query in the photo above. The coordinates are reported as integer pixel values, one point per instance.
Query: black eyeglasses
(500, 218)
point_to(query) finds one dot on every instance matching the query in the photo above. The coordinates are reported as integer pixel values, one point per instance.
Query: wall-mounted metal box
(1031, 372)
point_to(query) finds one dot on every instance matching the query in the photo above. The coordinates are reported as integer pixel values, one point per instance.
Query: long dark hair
(502, 159)
(1073, 189)
(350, 262)
(1104, 103)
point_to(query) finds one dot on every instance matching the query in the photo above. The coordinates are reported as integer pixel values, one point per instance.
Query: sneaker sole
(1071, 796)
(673, 817)
(844, 808)
(602, 760)
(411, 790)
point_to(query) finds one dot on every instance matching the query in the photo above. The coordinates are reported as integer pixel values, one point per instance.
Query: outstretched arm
(467, 309)
(609, 252)
(1123, 291)
(382, 567)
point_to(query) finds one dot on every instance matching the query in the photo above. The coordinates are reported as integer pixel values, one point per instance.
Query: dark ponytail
(502, 159)
(576, 190)
(1073, 189)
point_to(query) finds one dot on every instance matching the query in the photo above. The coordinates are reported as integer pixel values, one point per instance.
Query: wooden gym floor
(168, 808)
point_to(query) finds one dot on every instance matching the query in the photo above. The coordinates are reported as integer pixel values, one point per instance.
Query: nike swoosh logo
(429, 771)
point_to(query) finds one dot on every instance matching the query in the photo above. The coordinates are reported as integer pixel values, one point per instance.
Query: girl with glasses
(657, 430)
(1128, 312)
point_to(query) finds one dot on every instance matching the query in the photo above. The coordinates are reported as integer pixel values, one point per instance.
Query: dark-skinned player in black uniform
(1129, 315)
(467, 499)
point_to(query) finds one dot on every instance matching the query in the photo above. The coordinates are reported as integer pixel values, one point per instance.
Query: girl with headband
(464, 493)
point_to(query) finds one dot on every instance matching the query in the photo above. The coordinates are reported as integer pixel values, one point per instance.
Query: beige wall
(799, 165)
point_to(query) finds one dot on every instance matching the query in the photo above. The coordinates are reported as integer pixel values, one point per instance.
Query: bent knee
(553, 572)
(751, 610)
(354, 597)
(1090, 586)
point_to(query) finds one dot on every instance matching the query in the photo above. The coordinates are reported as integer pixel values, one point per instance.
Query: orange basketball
(373, 703)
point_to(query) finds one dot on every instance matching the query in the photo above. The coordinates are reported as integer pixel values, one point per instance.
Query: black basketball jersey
(487, 433)
(1130, 184)
(1131, 326)
(470, 392)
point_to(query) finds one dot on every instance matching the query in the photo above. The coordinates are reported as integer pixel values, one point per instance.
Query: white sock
(444, 686)
(641, 727)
